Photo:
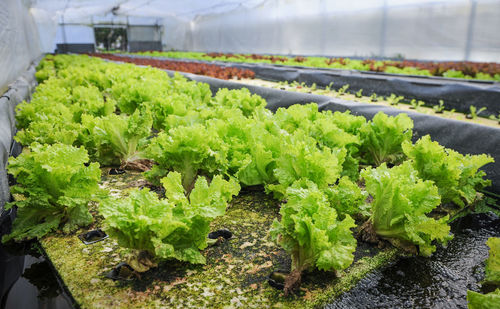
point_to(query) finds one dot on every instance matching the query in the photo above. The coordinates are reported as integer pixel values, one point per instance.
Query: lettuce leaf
(483, 301)
(56, 188)
(349, 123)
(328, 134)
(324, 129)
(175, 104)
(252, 150)
(296, 117)
(492, 270)
(51, 131)
(347, 198)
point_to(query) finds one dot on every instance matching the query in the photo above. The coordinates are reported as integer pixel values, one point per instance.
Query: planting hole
(224, 233)
(122, 271)
(92, 236)
(116, 171)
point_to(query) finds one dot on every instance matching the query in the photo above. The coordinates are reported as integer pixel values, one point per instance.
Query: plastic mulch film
(464, 137)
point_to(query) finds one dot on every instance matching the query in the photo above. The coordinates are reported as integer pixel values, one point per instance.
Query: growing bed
(237, 270)
(472, 114)
(236, 273)
(458, 94)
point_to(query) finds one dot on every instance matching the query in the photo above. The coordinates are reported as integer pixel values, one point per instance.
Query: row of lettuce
(465, 70)
(336, 174)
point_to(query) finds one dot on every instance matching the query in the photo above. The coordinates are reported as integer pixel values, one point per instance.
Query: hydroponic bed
(344, 195)
(458, 94)
(236, 273)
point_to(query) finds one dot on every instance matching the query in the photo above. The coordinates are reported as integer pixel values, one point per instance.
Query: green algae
(235, 274)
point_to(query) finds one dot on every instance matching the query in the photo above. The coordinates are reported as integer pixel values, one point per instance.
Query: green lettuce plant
(190, 151)
(175, 227)
(381, 138)
(118, 140)
(348, 122)
(54, 188)
(347, 198)
(296, 117)
(251, 149)
(241, 99)
(457, 176)
(311, 233)
(401, 202)
(301, 158)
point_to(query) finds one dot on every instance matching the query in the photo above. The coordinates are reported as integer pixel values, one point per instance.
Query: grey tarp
(464, 137)
(458, 94)
(18, 91)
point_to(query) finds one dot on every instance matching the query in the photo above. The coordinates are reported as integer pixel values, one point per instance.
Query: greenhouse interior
(250, 154)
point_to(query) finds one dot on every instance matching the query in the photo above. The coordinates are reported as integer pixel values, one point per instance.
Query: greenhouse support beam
(470, 29)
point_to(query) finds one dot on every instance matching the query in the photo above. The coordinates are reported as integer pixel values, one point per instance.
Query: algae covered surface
(235, 274)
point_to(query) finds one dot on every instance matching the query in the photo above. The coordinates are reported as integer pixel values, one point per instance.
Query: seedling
(451, 111)
(394, 100)
(359, 93)
(343, 89)
(373, 97)
(416, 104)
(282, 85)
(438, 109)
(329, 87)
(474, 112)
(496, 118)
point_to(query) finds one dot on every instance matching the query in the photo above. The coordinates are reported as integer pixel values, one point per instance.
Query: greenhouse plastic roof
(77, 10)
(182, 9)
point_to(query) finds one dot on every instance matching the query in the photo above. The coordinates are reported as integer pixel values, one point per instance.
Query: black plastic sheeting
(464, 137)
(440, 281)
(458, 94)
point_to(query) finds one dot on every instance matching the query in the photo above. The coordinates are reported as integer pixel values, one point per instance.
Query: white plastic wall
(74, 34)
(47, 28)
(19, 40)
(415, 29)
(143, 33)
